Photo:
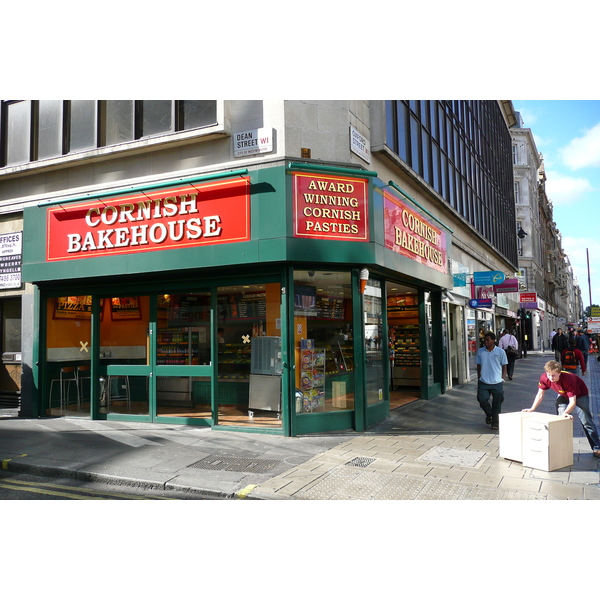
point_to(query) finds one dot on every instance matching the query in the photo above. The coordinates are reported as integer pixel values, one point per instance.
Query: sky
(567, 133)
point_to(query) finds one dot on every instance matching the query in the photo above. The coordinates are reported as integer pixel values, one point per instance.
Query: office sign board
(11, 245)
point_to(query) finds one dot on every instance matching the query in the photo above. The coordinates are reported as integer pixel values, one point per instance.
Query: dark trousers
(510, 368)
(495, 391)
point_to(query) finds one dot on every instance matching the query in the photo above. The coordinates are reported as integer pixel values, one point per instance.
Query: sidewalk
(430, 449)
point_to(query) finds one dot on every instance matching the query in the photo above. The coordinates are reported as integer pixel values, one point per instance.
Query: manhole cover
(360, 461)
(453, 456)
(235, 463)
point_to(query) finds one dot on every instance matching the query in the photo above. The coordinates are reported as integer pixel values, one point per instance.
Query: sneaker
(596, 453)
(488, 420)
(495, 426)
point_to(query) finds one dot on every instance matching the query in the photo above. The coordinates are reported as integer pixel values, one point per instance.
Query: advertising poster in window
(73, 307)
(125, 309)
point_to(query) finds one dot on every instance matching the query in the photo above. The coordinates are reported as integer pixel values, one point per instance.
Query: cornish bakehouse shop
(288, 299)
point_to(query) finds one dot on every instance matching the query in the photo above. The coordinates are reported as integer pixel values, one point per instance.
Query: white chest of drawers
(538, 440)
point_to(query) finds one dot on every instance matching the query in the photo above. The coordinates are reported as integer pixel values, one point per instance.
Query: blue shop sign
(480, 303)
(488, 277)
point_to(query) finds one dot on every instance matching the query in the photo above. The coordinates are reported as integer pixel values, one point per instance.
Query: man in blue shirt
(491, 373)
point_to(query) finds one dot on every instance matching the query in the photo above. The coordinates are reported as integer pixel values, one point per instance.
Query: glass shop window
(11, 325)
(323, 341)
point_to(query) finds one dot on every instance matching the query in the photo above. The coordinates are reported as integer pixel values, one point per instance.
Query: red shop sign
(330, 207)
(176, 217)
(528, 298)
(410, 234)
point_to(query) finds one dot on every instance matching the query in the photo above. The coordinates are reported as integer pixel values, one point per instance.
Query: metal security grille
(360, 461)
(235, 463)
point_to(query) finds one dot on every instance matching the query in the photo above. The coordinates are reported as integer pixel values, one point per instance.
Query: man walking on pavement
(509, 344)
(560, 342)
(582, 342)
(491, 373)
(573, 395)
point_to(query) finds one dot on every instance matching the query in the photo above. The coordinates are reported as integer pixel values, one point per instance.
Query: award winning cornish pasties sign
(330, 207)
(176, 217)
(410, 234)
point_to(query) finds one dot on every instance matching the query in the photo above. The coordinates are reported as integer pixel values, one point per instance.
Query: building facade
(545, 272)
(526, 165)
(284, 266)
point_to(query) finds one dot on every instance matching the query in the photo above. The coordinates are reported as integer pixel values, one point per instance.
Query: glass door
(68, 356)
(124, 358)
(249, 358)
(376, 353)
(183, 356)
(405, 341)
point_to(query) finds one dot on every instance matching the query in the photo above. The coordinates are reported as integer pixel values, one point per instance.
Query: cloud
(564, 189)
(541, 142)
(583, 151)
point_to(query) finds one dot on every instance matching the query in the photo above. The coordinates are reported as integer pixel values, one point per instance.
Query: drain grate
(360, 461)
(235, 463)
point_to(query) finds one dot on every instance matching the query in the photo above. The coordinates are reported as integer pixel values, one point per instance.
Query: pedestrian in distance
(571, 359)
(582, 341)
(573, 396)
(509, 344)
(559, 343)
(491, 373)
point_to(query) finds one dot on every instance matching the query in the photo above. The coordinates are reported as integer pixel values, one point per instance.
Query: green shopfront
(291, 299)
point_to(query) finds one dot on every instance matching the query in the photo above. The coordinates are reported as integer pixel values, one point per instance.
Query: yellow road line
(47, 492)
(7, 460)
(244, 492)
(86, 491)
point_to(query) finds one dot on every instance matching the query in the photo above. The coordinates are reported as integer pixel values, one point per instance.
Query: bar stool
(122, 393)
(68, 376)
(83, 373)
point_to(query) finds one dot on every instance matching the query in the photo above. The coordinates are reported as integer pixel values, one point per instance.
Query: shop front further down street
(288, 300)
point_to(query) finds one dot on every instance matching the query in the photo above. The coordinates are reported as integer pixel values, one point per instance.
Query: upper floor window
(519, 240)
(15, 128)
(515, 155)
(462, 151)
(33, 130)
(517, 193)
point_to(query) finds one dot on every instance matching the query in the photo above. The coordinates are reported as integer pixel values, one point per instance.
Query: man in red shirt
(573, 395)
